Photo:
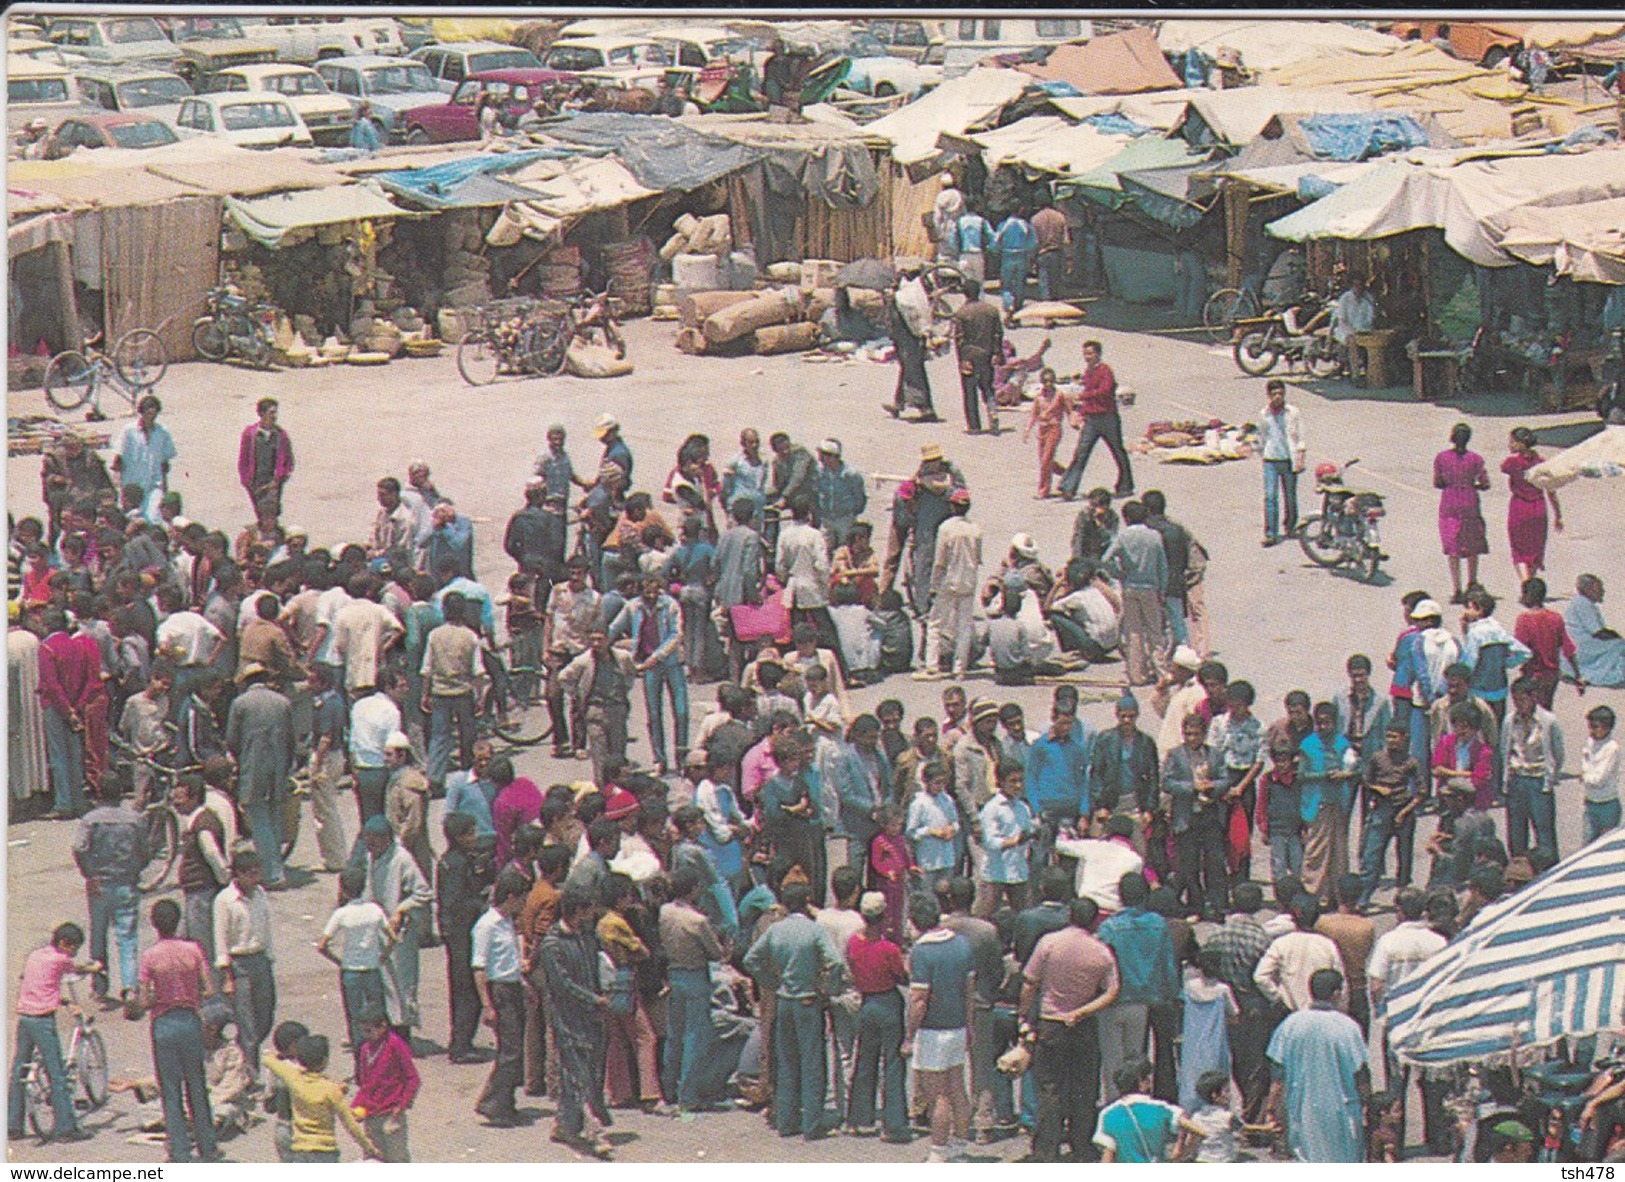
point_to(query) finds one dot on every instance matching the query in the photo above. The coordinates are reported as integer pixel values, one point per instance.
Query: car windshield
(399, 80)
(252, 116)
(37, 90)
(199, 28)
(296, 84)
(504, 59)
(140, 28)
(152, 92)
(639, 55)
(149, 133)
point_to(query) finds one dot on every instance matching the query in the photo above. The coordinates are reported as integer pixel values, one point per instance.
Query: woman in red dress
(1459, 476)
(1526, 515)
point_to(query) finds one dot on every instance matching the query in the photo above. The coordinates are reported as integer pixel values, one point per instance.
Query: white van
(968, 40)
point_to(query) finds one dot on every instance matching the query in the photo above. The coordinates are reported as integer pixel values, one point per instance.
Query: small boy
(1386, 1118)
(318, 1103)
(277, 1100)
(1489, 650)
(1601, 771)
(1278, 809)
(37, 1002)
(890, 865)
(1394, 788)
(386, 1084)
(365, 938)
(1216, 1119)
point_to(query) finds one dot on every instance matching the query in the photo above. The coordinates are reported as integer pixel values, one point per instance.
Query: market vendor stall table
(1374, 345)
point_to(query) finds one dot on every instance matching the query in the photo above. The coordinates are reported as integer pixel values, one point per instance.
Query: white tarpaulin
(1050, 144)
(955, 106)
(1237, 116)
(1160, 109)
(1263, 45)
(1461, 200)
(1585, 242)
(1601, 455)
(1564, 34)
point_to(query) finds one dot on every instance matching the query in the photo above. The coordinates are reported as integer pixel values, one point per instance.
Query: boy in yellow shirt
(317, 1101)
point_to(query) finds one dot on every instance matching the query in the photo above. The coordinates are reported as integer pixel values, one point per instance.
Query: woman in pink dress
(1526, 515)
(1460, 476)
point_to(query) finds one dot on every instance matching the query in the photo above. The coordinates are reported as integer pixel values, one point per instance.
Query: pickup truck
(209, 44)
(310, 39)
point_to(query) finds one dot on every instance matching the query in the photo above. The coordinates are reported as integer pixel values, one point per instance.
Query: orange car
(1489, 43)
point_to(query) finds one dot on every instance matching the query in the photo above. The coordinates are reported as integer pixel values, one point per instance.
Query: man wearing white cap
(1182, 694)
(841, 495)
(607, 430)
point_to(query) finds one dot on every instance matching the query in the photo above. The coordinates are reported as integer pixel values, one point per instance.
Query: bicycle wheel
(70, 380)
(37, 1098)
(1223, 308)
(1256, 354)
(478, 359)
(93, 1067)
(527, 719)
(548, 348)
(1323, 358)
(210, 340)
(163, 838)
(140, 358)
(1319, 545)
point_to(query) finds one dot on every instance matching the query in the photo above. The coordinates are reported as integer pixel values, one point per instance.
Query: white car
(248, 120)
(38, 90)
(307, 39)
(113, 40)
(614, 61)
(328, 116)
(694, 46)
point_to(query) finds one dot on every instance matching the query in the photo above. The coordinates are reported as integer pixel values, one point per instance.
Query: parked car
(968, 40)
(877, 71)
(614, 61)
(248, 120)
(389, 85)
(453, 62)
(909, 39)
(113, 39)
(454, 118)
(109, 129)
(157, 94)
(308, 39)
(1489, 43)
(39, 50)
(38, 90)
(695, 46)
(328, 116)
(209, 44)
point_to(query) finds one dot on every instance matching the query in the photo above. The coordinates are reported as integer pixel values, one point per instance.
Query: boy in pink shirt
(37, 1003)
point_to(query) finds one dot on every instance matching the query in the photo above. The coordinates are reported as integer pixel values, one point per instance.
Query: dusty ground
(1278, 621)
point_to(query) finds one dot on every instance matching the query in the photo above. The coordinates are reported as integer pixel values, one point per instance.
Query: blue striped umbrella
(1545, 963)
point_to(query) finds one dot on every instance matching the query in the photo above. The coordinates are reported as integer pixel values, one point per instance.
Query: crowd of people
(855, 923)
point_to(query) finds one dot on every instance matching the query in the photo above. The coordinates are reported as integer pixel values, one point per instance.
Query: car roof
(467, 47)
(691, 33)
(607, 42)
(520, 74)
(231, 98)
(113, 118)
(266, 69)
(126, 72)
(28, 67)
(368, 61)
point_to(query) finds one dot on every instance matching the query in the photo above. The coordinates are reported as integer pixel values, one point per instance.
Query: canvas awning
(1571, 34)
(1158, 109)
(1235, 117)
(1129, 62)
(1049, 143)
(1603, 455)
(1103, 184)
(33, 233)
(1265, 44)
(1584, 242)
(286, 218)
(954, 107)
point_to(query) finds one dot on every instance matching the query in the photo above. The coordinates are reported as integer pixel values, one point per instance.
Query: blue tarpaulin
(1360, 136)
(1115, 124)
(473, 180)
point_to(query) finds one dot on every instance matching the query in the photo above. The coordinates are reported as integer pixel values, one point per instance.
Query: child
(386, 1084)
(1217, 1120)
(318, 1103)
(365, 938)
(890, 864)
(1386, 1115)
(631, 1044)
(37, 1003)
(285, 1038)
(1278, 815)
(1049, 416)
(37, 576)
(1489, 650)
(1600, 773)
(1210, 1008)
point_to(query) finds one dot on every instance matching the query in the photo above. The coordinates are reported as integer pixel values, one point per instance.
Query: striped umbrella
(1545, 963)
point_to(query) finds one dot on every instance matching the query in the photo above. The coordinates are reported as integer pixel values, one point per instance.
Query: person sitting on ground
(1085, 610)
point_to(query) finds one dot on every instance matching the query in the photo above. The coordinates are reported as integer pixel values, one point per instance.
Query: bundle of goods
(631, 274)
(559, 272)
(1191, 442)
(31, 435)
(1047, 314)
(594, 361)
(691, 235)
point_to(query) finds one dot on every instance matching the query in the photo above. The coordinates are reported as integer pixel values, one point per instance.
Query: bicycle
(515, 706)
(533, 338)
(136, 364)
(163, 824)
(1224, 308)
(85, 1064)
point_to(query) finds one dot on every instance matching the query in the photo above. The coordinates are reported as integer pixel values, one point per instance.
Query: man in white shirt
(1092, 607)
(328, 605)
(372, 720)
(1103, 862)
(185, 637)
(954, 584)
(363, 632)
(1284, 970)
(244, 955)
(1394, 957)
(1354, 312)
(1284, 453)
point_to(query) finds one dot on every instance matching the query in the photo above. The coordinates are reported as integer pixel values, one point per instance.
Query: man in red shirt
(1540, 629)
(174, 981)
(70, 678)
(875, 965)
(1095, 415)
(38, 999)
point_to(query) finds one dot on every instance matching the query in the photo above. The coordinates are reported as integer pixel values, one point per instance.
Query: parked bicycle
(1226, 308)
(531, 338)
(85, 1064)
(136, 363)
(163, 825)
(234, 326)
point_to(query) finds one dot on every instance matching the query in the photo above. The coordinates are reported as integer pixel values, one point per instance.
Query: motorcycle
(1347, 531)
(1552, 1099)
(235, 327)
(1263, 341)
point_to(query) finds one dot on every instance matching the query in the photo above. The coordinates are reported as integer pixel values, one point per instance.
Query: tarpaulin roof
(1603, 455)
(1050, 144)
(1459, 198)
(1102, 184)
(1236, 116)
(35, 232)
(954, 107)
(661, 153)
(1160, 109)
(1164, 194)
(1265, 44)
(1360, 135)
(1123, 63)
(1585, 242)
(1569, 34)
(571, 188)
(261, 172)
(281, 219)
(454, 183)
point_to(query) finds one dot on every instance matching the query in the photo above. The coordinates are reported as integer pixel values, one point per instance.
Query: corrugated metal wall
(158, 263)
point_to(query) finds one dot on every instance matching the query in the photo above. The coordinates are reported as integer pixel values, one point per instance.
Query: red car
(109, 129)
(516, 90)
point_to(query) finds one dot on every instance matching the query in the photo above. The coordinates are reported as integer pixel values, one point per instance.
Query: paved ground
(1278, 621)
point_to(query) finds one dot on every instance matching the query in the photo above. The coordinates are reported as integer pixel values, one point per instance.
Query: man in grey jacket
(1137, 560)
(111, 851)
(1531, 760)
(259, 734)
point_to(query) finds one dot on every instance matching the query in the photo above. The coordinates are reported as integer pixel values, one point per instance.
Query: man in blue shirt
(1016, 242)
(364, 135)
(933, 825)
(841, 495)
(472, 791)
(1147, 973)
(1057, 779)
(1007, 833)
(940, 1014)
(1137, 1128)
